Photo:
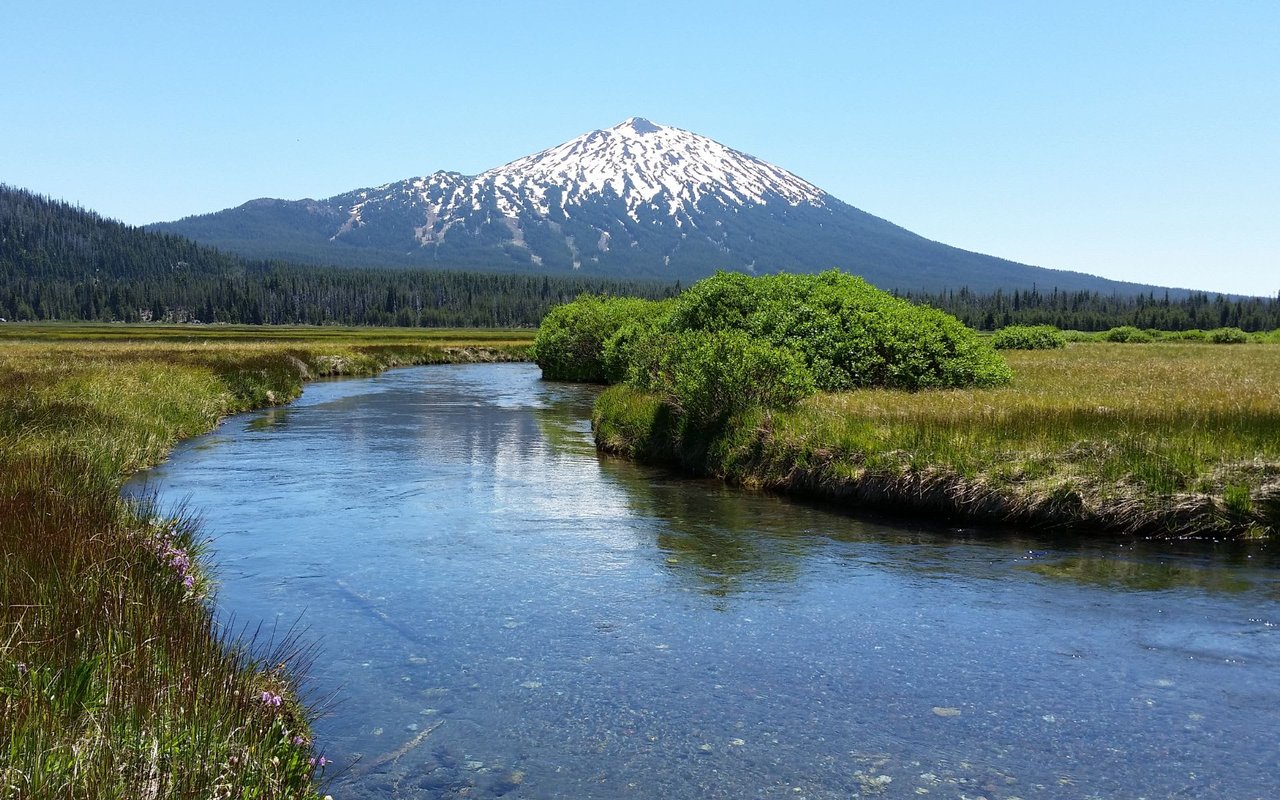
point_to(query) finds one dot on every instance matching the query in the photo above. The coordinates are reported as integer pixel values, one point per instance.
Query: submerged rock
(872, 784)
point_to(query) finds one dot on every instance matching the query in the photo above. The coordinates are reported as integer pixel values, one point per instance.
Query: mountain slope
(635, 200)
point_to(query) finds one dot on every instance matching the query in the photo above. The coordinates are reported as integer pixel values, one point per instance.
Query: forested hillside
(48, 240)
(58, 261)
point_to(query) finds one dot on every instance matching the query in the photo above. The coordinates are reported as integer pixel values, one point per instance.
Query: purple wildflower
(271, 699)
(319, 761)
(175, 557)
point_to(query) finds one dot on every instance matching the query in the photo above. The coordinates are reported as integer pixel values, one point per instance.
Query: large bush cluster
(1227, 336)
(1127, 334)
(733, 341)
(848, 333)
(1028, 337)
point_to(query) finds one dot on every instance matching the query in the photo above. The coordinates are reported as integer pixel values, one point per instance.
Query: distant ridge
(638, 200)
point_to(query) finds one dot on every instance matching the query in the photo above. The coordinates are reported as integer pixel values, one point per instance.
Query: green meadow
(115, 681)
(1164, 439)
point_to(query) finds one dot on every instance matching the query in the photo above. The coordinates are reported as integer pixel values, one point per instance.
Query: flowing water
(503, 612)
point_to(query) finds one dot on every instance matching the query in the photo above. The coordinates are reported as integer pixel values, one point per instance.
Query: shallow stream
(502, 612)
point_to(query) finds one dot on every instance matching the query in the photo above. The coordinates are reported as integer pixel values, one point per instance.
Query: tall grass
(115, 680)
(1167, 439)
(306, 334)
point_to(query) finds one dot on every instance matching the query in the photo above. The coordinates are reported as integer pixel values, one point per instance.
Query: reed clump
(1168, 439)
(115, 680)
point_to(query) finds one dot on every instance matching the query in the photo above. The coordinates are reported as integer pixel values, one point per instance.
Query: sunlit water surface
(502, 612)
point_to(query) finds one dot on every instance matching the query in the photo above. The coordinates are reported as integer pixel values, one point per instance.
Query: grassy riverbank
(1163, 439)
(114, 679)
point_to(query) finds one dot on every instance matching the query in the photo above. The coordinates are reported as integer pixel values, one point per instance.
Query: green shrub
(1227, 336)
(621, 349)
(1081, 336)
(1126, 333)
(1193, 335)
(571, 339)
(1028, 337)
(708, 375)
(848, 333)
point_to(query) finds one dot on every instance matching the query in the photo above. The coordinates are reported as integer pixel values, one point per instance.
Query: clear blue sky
(1134, 140)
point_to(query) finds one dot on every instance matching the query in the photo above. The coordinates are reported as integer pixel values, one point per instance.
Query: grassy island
(115, 681)
(1171, 438)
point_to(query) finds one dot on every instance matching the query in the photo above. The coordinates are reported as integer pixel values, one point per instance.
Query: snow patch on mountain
(642, 164)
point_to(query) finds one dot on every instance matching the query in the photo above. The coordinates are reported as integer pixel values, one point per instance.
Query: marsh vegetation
(115, 681)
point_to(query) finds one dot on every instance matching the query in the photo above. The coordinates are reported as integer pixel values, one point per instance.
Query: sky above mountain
(1109, 138)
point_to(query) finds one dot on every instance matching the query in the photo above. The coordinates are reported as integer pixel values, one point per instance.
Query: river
(500, 611)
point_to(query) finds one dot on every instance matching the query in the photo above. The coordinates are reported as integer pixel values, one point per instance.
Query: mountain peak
(638, 125)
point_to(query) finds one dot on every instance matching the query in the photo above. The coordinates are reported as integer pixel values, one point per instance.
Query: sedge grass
(1168, 439)
(115, 680)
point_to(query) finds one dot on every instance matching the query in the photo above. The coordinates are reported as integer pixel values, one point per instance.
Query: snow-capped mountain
(643, 164)
(635, 200)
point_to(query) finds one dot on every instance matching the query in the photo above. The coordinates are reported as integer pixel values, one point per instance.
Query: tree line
(1093, 311)
(283, 294)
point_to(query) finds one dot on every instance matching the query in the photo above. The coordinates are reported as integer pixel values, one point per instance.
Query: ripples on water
(503, 613)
